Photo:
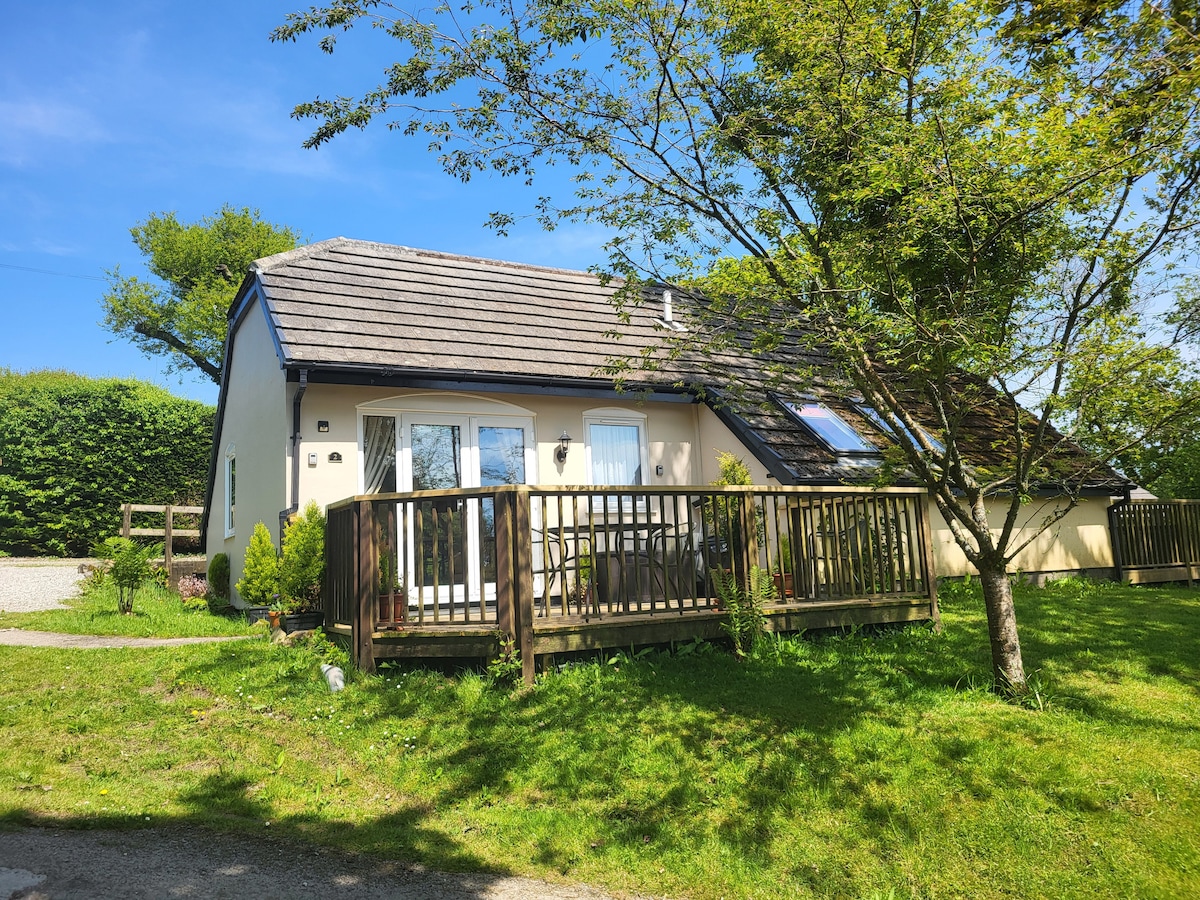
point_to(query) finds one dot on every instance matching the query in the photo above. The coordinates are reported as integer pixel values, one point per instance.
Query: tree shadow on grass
(666, 758)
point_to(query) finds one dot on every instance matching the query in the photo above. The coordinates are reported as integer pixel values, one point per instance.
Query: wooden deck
(448, 573)
(1156, 541)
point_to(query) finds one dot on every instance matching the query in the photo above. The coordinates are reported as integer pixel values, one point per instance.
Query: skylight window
(873, 414)
(829, 427)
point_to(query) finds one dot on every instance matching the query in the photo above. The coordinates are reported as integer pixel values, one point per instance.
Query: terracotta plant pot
(393, 607)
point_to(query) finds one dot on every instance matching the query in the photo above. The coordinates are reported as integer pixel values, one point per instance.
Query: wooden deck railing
(1156, 540)
(518, 559)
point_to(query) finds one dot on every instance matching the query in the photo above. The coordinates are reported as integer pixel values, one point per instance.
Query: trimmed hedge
(73, 449)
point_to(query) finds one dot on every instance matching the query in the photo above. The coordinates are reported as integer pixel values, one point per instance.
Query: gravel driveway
(43, 863)
(29, 585)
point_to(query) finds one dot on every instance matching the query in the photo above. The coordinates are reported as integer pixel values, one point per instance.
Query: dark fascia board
(774, 463)
(248, 298)
(456, 380)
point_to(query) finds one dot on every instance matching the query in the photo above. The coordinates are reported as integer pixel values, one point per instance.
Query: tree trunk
(1007, 666)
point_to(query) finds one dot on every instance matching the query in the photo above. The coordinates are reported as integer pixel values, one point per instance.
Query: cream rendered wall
(684, 438)
(715, 437)
(255, 424)
(1078, 541)
(671, 431)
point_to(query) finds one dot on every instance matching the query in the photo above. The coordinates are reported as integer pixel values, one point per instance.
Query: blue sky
(112, 111)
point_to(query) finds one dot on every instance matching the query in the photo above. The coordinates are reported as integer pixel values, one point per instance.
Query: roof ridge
(266, 263)
(269, 262)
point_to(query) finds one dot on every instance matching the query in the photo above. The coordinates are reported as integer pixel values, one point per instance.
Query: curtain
(379, 454)
(616, 454)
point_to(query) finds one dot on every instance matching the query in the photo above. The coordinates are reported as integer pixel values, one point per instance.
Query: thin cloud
(30, 127)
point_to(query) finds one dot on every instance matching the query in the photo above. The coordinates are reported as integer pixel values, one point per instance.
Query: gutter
(297, 437)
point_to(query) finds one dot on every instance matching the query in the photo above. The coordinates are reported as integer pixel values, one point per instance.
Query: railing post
(1116, 536)
(506, 581)
(126, 520)
(366, 587)
(921, 503)
(1183, 538)
(514, 573)
(523, 582)
(168, 538)
(745, 545)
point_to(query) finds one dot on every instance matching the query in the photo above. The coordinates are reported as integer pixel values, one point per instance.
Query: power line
(48, 272)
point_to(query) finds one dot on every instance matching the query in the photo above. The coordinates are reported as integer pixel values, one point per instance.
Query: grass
(157, 612)
(853, 766)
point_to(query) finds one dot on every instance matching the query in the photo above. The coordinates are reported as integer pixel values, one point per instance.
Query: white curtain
(379, 454)
(616, 454)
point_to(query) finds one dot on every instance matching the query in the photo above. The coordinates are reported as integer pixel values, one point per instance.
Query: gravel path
(18, 637)
(30, 585)
(43, 863)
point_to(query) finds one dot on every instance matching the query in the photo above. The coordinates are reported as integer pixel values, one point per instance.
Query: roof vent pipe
(667, 306)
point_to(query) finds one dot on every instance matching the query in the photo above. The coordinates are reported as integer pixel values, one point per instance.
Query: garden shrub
(129, 567)
(74, 449)
(192, 586)
(259, 584)
(218, 576)
(743, 607)
(303, 566)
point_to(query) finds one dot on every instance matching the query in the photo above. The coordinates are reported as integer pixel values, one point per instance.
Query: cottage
(360, 369)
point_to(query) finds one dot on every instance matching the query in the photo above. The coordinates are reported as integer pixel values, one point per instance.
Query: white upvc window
(230, 489)
(615, 447)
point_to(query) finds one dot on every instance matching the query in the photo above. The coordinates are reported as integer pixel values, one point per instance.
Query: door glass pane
(501, 461)
(616, 454)
(436, 457)
(379, 454)
(501, 455)
(437, 465)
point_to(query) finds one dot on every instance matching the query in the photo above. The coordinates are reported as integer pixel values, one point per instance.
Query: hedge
(73, 449)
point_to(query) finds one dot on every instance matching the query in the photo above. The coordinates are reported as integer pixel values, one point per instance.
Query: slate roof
(359, 305)
(370, 310)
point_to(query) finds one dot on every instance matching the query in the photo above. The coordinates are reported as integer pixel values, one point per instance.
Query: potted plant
(782, 570)
(301, 572)
(580, 593)
(259, 584)
(393, 598)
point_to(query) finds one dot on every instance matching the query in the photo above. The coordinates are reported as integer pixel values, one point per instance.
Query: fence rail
(169, 533)
(523, 560)
(1156, 540)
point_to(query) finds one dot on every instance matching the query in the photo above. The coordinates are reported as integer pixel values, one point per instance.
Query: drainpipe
(296, 438)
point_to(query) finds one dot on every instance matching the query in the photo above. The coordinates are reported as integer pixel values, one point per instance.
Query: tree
(129, 567)
(1143, 414)
(200, 266)
(960, 204)
(74, 449)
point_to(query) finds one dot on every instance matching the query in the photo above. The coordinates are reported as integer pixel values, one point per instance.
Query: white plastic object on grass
(334, 677)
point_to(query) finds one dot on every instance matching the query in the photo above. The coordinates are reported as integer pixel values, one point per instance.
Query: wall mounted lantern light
(564, 444)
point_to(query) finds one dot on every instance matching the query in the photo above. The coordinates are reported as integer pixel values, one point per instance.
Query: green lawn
(157, 612)
(846, 767)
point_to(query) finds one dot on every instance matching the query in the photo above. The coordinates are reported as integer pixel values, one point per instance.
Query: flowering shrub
(192, 586)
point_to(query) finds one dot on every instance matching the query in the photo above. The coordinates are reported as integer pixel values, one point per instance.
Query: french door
(449, 543)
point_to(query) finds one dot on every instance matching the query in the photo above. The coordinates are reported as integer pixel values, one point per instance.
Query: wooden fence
(169, 533)
(1156, 540)
(444, 572)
